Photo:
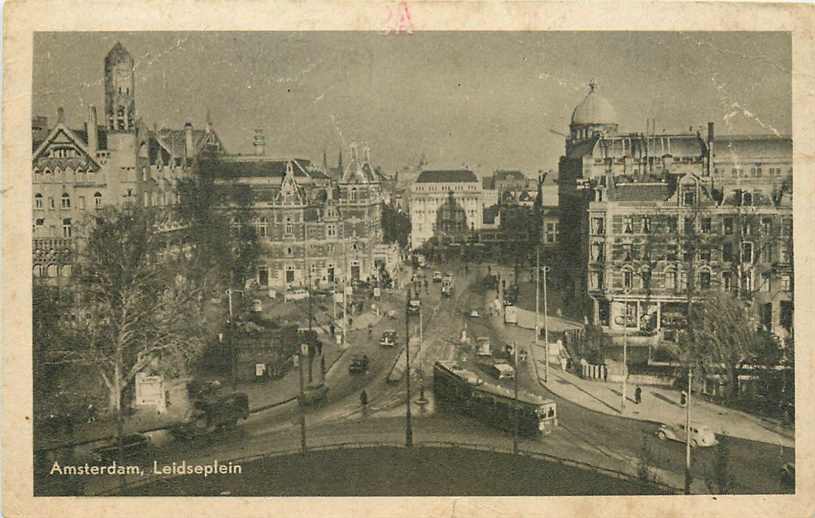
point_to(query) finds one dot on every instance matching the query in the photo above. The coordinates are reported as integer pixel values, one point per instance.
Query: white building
(446, 204)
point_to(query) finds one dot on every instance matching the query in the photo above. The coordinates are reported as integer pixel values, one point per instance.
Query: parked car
(474, 313)
(446, 291)
(415, 306)
(314, 394)
(359, 363)
(502, 370)
(388, 338)
(133, 445)
(788, 474)
(295, 294)
(700, 435)
(437, 276)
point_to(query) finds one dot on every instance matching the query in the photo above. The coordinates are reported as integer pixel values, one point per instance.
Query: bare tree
(137, 310)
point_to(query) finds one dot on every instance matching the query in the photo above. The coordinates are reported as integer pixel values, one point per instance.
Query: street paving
(584, 435)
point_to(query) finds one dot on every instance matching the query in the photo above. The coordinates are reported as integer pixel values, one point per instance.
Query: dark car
(133, 445)
(359, 363)
(314, 394)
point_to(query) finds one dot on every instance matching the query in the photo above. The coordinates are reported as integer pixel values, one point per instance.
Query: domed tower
(120, 95)
(594, 115)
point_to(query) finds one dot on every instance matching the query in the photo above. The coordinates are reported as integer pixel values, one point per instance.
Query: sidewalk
(658, 404)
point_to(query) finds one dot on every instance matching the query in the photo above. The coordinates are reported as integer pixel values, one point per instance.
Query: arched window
(97, 200)
(66, 200)
(38, 201)
(37, 270)
(747, 198)
(289, 225)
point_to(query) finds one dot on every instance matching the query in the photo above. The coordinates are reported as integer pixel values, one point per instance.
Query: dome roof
(594, 109)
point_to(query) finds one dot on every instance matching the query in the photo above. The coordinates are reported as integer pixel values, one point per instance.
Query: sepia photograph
(460, 263)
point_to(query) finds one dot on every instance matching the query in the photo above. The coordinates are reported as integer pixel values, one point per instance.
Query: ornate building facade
(655, 220)
(114, 162)
(313, 229)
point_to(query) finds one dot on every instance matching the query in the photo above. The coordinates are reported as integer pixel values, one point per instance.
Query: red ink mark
(399, 19)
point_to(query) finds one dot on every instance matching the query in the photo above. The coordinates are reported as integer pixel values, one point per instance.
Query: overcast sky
(489, 100)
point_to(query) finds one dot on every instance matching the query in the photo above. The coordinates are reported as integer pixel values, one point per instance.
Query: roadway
(584, 435)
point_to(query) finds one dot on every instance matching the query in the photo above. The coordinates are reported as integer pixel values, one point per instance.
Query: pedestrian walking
(638, 395)
(331, 328)
(363, 398)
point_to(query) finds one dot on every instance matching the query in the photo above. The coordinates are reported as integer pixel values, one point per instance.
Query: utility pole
(545, 327)
(408, 424)
(233, 349)
(515, 403)
(537, 296)
(625, 346)
(308, 291)
(345, 292)
(687, 432)
(303, 351)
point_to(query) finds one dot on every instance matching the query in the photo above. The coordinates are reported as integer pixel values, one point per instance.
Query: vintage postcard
(525, 259)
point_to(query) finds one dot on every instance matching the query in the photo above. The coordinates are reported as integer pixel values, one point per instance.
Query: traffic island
(394, 471)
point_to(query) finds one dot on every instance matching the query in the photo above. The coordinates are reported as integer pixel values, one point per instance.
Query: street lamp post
(545, 327)
(537, 296)
(408, 423)
(303, 351)
(687, 432)
(626, 291)
(233, 349)
(515, 403)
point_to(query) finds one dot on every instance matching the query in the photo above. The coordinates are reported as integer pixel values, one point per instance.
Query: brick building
(115, 162)
(312, 228)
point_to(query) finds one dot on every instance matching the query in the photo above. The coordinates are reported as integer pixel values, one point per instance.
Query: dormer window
(689, 198)
(746, 199)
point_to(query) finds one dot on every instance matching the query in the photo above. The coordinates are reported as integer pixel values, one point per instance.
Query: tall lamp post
(515, 403)
(626, 291)
(408, 423)
(233, 349)
(304, 349)
(687, 432)
(545, 326)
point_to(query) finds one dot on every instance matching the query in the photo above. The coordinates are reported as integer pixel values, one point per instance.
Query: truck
(210, 414)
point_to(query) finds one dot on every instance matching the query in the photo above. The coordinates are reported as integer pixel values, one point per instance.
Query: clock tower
(120, 99)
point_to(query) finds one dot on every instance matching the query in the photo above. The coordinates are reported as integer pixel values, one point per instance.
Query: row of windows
(65, 201)
(767, 252)
(672, 279)
(447, 188)
(67, 228)
(754, 172)
(705, 225)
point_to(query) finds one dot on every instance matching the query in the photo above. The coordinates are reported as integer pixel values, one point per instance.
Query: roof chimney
(367, 154)
(353, 153)
(188, 145)
(259, 143)
(60, 115)
(93, 128)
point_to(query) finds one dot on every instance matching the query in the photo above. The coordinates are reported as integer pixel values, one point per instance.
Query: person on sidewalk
(363, 400)
(638, 395)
